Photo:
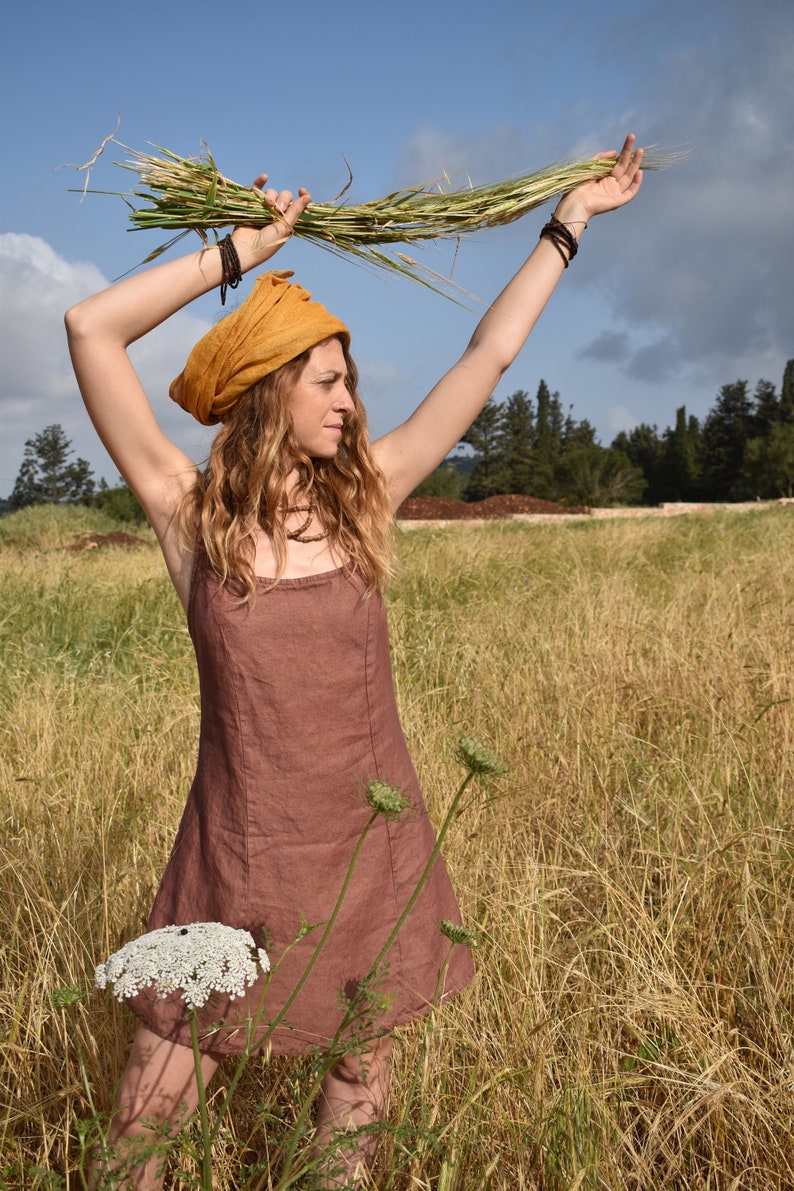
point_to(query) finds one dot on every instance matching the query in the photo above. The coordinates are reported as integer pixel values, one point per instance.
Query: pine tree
(678, 466)
(46, 475)
(516, 444)
(643, 448)
(725, 432)
(769, 463)
(766, 408)
(487, 476)
(548, 439)
(577, 434)
(787, 393)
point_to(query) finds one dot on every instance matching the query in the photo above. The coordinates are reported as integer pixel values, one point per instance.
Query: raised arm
(100, 330)
(410, 452)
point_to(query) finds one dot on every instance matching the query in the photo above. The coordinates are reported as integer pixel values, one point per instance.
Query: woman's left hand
(256, 245)
(605, 194)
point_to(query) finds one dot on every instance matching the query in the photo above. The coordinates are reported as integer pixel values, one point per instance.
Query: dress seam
(243, 763)
(397, 944)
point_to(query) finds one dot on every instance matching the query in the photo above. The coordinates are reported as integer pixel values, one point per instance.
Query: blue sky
(687, 289)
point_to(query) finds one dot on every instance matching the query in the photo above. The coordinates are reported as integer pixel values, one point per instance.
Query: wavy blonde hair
(243, 486)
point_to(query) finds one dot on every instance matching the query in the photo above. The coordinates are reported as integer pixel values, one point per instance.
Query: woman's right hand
(257, 244)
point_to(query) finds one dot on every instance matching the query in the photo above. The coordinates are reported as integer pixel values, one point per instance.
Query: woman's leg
(354, 1093)
(159, 1080)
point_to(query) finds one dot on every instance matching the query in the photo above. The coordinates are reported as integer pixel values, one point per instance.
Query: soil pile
(442, 508)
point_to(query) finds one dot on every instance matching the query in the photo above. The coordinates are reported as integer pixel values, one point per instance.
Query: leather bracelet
(231, 273)
(563, 239)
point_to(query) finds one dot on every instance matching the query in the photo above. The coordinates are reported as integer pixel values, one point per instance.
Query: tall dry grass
(631, 1022)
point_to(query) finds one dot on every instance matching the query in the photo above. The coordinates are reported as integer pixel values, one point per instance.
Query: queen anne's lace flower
(458, 933)
(478, 758)
(387, 800)
(195, 960)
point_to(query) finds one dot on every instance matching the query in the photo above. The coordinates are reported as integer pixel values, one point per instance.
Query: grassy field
(631, 1024)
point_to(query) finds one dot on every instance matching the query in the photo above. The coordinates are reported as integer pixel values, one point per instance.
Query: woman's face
(320, 403)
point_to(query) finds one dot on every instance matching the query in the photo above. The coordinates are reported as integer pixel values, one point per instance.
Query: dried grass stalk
(185, 194)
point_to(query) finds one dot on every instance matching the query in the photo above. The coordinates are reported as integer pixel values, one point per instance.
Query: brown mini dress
(298, 717)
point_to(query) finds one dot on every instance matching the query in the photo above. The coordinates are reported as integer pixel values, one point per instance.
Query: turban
(275, 324)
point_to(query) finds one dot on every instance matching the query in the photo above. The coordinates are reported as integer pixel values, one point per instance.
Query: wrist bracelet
(231, 273)
(563, 239)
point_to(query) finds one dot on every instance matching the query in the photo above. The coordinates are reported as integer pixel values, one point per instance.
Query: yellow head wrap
(275, 324)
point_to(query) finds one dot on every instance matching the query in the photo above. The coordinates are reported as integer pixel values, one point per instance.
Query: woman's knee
(158, 1084)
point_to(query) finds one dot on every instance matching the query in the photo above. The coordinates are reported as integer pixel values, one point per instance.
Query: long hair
(243, 486)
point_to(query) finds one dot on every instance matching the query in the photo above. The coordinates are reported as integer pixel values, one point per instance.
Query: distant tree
(679, 472)
(119, 503)
(549, 423)
(643, 448)
(766, 408)
(768, 470)
(598, 477)
(446, 481)
(725, 431)
(768, 462)
(787, 393)
(487, 477)
(516, 444)
(577, 434)
(771, 410)
(47, 476)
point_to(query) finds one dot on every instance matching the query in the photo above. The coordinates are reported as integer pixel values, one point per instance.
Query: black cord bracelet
(231, 273)
(563, 239)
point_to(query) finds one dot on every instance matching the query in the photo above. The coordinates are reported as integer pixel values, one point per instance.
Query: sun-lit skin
(320, 401)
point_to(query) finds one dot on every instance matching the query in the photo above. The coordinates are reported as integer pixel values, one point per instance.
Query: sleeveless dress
(298, 717)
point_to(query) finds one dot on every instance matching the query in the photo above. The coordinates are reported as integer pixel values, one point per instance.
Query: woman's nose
(343, 402)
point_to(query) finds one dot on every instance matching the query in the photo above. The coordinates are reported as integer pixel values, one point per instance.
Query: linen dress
(298, 717)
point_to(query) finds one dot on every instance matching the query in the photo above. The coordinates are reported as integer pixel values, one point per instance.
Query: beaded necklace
(299, 534)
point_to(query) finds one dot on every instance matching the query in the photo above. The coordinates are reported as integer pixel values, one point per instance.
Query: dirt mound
(442, 508)
(95, 541)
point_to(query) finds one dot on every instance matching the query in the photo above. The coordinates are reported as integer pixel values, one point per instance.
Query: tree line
(742, 450)
(49, 475)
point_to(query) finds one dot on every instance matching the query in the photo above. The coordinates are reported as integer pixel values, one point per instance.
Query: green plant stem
(206, 1137)
(251, 1047)
(353, 1009)
(450, 815)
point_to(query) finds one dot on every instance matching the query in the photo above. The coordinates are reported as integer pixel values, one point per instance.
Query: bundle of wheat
(185, 194)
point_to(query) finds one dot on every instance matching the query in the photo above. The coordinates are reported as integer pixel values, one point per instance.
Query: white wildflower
(195, 961)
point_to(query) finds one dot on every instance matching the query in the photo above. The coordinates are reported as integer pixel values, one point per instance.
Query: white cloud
(36, 288)
(37, 385)
(430, 153)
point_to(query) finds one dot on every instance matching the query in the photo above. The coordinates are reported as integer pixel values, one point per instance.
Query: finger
(259, 183)
(624, 157)
(283, 200)
(296, 208)
(635, 177)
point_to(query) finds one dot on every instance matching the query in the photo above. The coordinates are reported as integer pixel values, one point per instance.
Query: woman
(277, 552)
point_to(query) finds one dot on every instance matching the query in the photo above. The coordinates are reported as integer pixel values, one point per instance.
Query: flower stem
(355, 1004)
(206, 1137)
(255, 1045)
